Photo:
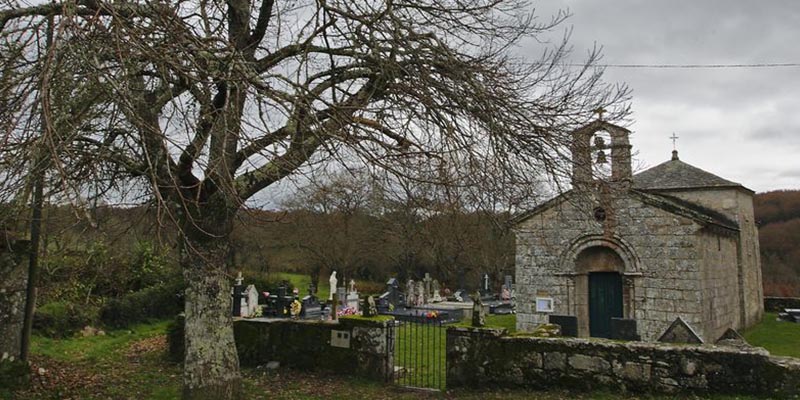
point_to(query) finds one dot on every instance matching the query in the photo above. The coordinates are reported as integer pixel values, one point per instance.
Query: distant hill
(778, 217)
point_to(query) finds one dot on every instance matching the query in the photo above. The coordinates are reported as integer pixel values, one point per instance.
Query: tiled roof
(676, 174)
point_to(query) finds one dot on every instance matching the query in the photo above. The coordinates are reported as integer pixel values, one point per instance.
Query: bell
(601, 157)
(599, 142)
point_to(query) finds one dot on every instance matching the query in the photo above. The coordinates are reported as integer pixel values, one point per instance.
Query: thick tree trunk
(211, 366)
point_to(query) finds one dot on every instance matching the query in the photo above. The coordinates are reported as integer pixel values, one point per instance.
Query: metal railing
(419, 354)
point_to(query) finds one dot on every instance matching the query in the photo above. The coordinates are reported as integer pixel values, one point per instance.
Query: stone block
(555, 360)
(589, 363)
(632, 371)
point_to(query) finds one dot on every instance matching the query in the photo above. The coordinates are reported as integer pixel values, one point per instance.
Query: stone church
(672, 241)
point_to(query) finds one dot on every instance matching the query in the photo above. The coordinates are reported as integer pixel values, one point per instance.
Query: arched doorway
(599, 275)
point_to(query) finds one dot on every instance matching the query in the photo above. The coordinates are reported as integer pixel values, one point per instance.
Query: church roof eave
(526, 215)
(696, 212)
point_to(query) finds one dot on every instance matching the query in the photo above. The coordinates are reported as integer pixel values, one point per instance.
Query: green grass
(421, 350)
(94, 348)
(780, 338)
(508, 322)
(301, 282)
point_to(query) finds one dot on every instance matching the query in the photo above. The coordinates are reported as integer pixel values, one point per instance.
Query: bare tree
(199, 105)
(332, 220)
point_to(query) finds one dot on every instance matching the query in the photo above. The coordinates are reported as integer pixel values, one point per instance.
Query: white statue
(352, 286)
(333, 281)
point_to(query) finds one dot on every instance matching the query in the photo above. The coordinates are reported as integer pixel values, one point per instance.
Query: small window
(599, 214)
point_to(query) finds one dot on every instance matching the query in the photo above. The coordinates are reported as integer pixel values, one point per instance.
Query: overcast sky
(742, 124)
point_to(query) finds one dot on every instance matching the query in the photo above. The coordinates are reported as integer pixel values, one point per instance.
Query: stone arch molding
(618, 245)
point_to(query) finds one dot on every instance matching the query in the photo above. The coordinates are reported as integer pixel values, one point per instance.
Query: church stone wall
(737, 204)
(665, 276)
(721, 298)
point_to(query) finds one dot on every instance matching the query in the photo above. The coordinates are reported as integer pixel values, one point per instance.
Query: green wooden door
(605, 302)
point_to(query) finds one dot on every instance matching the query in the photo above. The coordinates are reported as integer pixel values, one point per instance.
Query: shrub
(62, 319)
(156, 302)
(14, 374)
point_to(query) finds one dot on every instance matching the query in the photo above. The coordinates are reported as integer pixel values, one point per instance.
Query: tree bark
(211, 366)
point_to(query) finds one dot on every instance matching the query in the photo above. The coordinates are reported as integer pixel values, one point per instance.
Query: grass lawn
(508, 322)
(780, 338)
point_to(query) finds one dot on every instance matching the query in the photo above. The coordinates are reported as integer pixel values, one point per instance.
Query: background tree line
(347, 224)
(778, 219)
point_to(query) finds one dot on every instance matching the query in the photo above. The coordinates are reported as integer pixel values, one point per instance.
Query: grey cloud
(742, 124)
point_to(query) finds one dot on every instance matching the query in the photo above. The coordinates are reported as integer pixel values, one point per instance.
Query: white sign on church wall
(544, 304)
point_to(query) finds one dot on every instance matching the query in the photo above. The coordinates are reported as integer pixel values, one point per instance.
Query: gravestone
(238, 296)
(680, 332)
(420, 295)
(311, 307)
(393, 294)
(462, 296)
(568, 324)
(411, 297)
(485, 285)
(251, 294)
(478, 312)
(353, 302)
(731, 338)
(624, 329)
(790, 315)
(341, 294)
(370, 309)
(508, 281)
(427, 287)
(436, 297)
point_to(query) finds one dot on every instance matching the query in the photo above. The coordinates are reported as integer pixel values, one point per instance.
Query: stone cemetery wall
(486, 357)
(14, 273)
(778, 304)
(351, 346)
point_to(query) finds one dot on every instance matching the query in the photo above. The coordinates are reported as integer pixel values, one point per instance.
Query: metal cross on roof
(674, 140)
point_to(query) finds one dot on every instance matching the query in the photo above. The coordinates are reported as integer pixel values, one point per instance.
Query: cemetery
(384, 343)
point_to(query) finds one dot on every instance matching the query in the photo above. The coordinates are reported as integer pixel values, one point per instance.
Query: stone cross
(427, 286)
(239, 278)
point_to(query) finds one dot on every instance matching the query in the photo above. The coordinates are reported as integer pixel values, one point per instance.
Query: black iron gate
(419, 354)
